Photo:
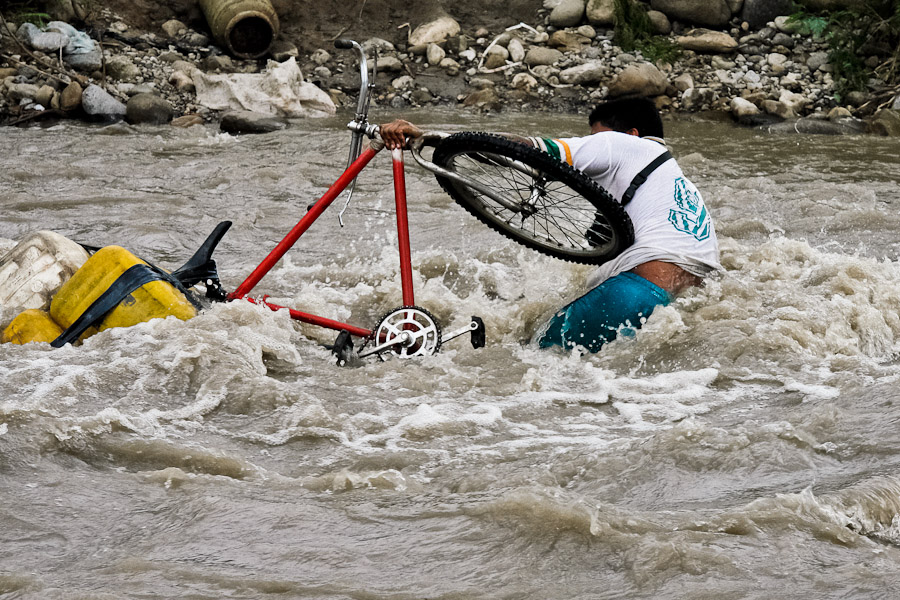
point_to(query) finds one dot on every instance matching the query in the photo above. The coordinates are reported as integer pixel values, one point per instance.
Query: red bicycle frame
(315, 211)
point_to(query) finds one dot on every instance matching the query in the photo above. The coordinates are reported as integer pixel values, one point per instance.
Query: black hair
(629, 113)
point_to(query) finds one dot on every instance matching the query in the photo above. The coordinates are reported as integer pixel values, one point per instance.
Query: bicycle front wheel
(532, 198)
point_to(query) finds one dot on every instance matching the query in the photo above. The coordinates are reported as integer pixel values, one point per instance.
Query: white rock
(523, 81)
(435, 54)
(516, 50)
(404, 82)
(776, 58)
(434, 32)
(741, 107)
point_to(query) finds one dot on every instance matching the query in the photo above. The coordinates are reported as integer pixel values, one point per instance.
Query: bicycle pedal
(343, 350)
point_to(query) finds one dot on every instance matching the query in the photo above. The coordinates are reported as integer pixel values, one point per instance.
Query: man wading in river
(675, 243)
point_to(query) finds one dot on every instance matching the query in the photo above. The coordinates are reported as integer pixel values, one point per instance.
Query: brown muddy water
(746, 444)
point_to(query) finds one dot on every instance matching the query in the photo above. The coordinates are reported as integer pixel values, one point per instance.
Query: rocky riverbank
(756, 67)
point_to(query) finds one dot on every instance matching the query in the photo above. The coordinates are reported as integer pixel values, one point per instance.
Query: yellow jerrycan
(32, 325)
(153, 300)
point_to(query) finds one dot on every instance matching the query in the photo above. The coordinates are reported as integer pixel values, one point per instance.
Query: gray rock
(759, 12)
(696, 98)
(540, 55)
(523, 81)
(896, 104)
(120, 67)
(220, 62)
(49, 41)
(783, 39)
(435, 54)
(26, 32)
(742, 109)
(779, 109)
(567, 13)
(839, 112)
(819, 127)
(182, 82)
(70, 97)
(886, 122)
(99, 105)
(44, 96)
(377, 45)
(22, 91)
(587, 31)
(86, 62)
(244, 121)
(516, 50)
(282, 50)
(786, 25)
(586, 74)
(434, 32)
(601, 12)
(485, 99)
(639, 79)
(683, 82)
(712, 13)
(174, 28)
(660, 22)
(705, 40)
(390, 64)
(817, 60)
(148, 108)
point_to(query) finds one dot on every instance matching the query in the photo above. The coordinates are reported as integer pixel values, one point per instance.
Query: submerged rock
(245, 121)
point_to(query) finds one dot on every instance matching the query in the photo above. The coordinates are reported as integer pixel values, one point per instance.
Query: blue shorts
(620, 304)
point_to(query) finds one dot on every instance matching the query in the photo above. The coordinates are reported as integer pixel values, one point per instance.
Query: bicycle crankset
(407, 332)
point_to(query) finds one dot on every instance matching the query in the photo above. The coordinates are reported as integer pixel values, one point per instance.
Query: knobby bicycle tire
(550, 206)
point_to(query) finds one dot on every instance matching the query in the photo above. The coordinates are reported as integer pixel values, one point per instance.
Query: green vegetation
(873, 29)
(27, 12)
(634, 31)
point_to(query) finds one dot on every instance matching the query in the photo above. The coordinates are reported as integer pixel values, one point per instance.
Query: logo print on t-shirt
(691, 216)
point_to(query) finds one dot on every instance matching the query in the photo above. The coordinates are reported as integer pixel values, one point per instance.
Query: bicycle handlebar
(343, 44)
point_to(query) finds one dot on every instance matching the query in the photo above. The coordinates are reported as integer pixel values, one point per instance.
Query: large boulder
(639, 79)
(707, 41)
(886, 122)
(148, 108)
(100, 105)
(759, 12)
(712, 13)
(567, 13)
(434, 32)
(601, 12)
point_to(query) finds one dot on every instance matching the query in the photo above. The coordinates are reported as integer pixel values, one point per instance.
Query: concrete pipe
(246, 28)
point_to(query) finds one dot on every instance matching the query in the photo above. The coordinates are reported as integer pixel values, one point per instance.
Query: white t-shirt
(671, 223)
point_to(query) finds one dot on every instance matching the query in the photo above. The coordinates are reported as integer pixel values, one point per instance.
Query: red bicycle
(517, 190)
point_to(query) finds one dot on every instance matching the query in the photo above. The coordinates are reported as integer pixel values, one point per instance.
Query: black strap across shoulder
(641, 177)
